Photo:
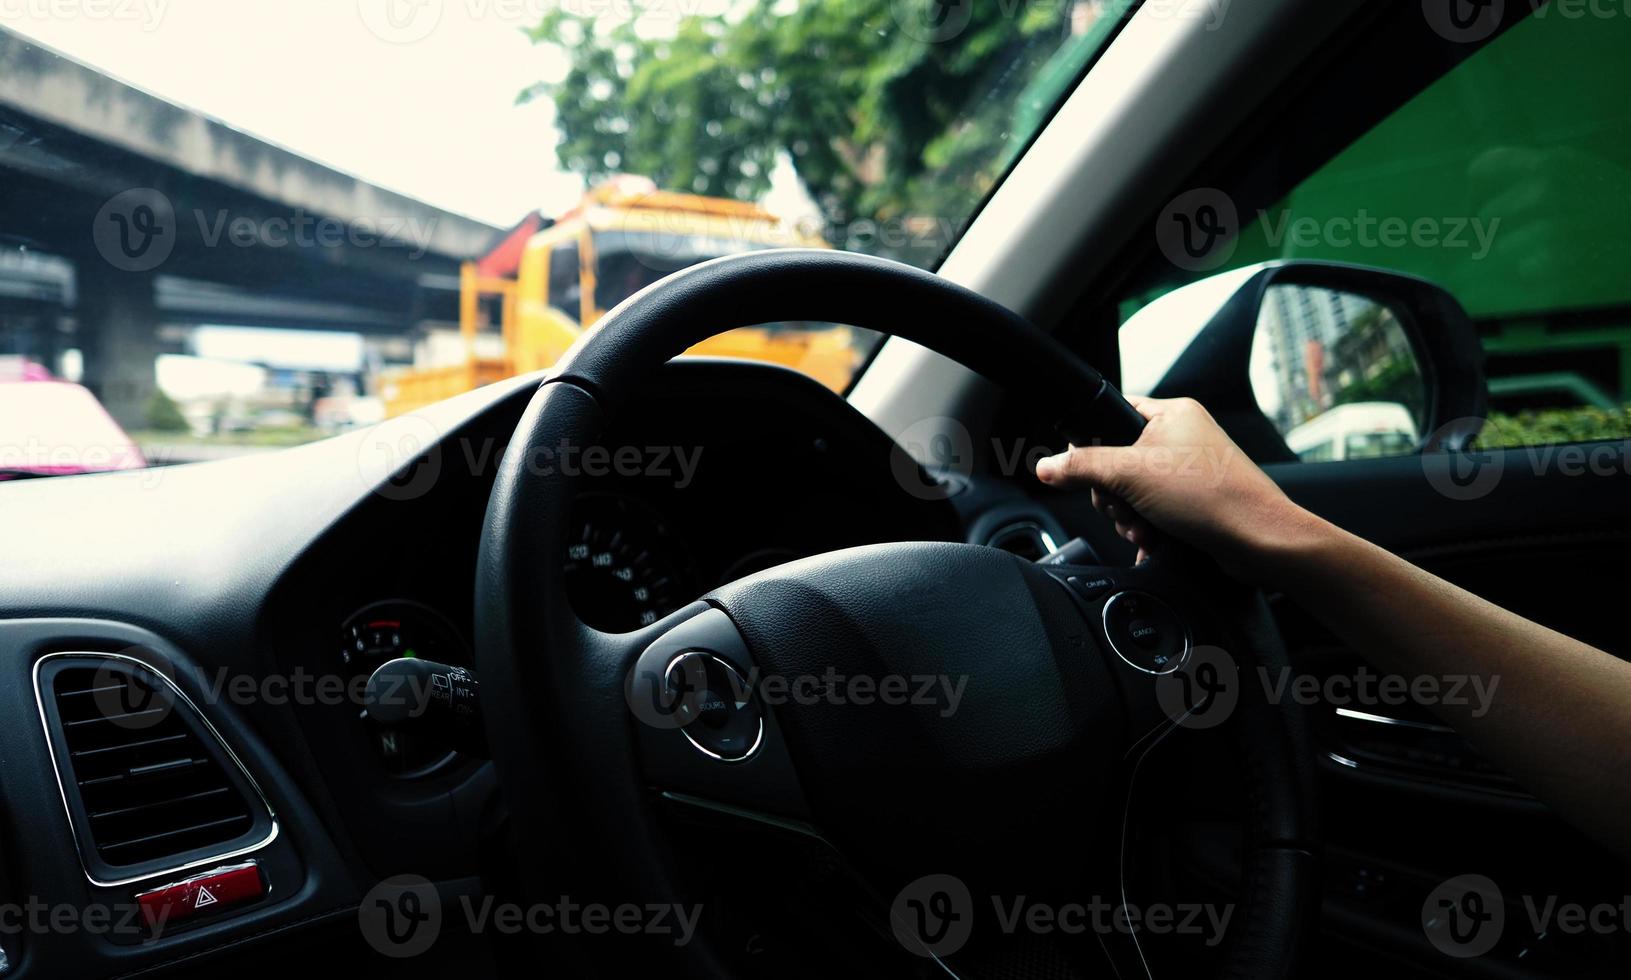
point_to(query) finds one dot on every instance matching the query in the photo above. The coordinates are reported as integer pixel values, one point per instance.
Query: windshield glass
(630, 261)
(235, 233)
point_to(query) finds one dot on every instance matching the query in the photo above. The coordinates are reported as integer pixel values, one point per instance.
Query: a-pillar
(118, 337)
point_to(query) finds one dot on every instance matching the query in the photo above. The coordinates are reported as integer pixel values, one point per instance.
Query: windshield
(630, 261)
(235, 233)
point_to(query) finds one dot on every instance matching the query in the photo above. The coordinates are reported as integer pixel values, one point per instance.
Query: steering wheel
(1069, 674)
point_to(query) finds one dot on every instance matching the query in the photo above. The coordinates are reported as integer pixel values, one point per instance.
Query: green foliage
(1554, 425)
(880, 125)
(163, 415)
(1396, 380)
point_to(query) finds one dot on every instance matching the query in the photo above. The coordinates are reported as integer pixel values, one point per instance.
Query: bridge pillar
(118, 337)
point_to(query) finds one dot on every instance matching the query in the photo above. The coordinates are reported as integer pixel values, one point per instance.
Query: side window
(565, 279)
(1508, 183)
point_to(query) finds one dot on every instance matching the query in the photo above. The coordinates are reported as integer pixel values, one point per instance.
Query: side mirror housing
(1315, 360)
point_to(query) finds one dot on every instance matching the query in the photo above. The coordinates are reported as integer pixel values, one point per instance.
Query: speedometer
(623, 568)
(386, 631)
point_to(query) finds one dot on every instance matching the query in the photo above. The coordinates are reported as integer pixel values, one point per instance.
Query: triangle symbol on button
(204, 899)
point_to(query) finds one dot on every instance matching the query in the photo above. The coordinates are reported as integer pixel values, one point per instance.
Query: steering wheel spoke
(704, 734)
(1157, 641)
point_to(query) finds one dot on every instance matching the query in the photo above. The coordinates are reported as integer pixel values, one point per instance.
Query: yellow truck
(548, 281)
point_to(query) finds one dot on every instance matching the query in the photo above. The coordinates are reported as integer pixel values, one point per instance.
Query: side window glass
(565, 279)
(1508, 183)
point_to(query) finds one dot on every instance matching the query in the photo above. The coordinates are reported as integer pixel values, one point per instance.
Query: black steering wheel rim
(559, 718)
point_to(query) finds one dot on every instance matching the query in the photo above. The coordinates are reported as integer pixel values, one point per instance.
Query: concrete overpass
(165, 217)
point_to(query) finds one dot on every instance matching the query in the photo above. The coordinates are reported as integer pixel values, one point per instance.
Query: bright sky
(1155, 337)
(414, 95)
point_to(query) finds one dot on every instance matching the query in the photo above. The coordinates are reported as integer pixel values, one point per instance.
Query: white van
(1358, 430)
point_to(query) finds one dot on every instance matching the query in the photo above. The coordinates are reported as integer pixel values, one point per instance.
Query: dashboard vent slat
(150, 786)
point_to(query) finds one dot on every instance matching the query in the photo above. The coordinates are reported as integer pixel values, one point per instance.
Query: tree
(163, 415)
(882, 123)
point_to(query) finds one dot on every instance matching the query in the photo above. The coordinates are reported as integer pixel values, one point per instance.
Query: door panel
(1407, 806)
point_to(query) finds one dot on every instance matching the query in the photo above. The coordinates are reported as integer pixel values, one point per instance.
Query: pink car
(50, 427)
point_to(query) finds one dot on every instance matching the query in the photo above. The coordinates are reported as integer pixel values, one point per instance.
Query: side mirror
(1315, 360)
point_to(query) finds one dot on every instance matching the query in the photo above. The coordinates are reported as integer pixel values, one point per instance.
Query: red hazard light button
(201, 895)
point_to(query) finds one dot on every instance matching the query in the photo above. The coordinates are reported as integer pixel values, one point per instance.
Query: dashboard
(255, 595)
(727, 468)
(729, 472)
(260, 593)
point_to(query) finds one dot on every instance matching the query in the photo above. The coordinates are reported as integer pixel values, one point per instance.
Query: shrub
(1555, 425)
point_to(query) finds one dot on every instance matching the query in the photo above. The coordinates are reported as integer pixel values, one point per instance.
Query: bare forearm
(1559, 712)
(1560, 715)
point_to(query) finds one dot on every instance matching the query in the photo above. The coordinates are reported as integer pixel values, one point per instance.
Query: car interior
(204, 660)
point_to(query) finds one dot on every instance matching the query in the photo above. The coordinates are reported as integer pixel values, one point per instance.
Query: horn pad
(942, 702)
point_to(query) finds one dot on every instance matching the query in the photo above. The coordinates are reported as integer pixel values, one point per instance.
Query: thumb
(1100, 466)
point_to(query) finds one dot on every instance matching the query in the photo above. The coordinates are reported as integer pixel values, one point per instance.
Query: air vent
(147, 781)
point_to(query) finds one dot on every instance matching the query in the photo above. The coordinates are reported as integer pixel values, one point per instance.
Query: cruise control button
(715, 706)
(1091, 586)
(1145, 632)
